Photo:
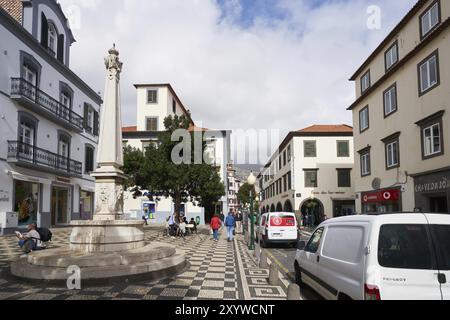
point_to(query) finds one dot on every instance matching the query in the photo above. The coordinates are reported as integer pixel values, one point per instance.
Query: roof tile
(327, 128)
(13, 7)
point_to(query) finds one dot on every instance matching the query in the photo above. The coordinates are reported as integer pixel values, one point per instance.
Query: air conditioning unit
(8, 220)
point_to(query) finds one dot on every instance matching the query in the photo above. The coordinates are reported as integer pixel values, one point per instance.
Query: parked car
(378, 257)
(277, 227)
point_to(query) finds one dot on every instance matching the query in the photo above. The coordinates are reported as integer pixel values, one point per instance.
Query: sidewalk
(217, 270)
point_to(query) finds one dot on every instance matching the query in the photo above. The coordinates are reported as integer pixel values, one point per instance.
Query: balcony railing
(45, 160)
(21, 87)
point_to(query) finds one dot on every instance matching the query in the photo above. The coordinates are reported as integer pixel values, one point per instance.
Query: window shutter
(60, 55)
(96, 123)
(44, 31)
(86, 115)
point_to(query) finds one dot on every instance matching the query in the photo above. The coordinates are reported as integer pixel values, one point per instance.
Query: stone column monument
(109, 179)
(107, 232)
(107, 248)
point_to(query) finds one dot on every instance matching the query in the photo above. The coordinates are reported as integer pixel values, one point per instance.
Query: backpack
(45, 234)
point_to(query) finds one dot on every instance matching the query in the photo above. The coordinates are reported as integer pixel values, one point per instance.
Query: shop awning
(28, 178)
(86, 186)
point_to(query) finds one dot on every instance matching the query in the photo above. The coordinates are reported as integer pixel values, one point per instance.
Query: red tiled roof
(129, 129)
(191, 129)
(195, 128)
(13, 7)
(327, 128)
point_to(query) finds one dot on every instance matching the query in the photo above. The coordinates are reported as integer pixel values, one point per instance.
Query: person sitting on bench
(192, 222)
(30, 241)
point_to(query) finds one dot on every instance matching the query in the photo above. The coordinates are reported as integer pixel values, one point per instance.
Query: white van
(277, 227)
(378, 257)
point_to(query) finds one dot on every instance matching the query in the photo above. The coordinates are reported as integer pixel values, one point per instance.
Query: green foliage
(244, 196)
(154, 170)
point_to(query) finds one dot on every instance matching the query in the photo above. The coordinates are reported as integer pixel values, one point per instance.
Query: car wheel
(298, 275)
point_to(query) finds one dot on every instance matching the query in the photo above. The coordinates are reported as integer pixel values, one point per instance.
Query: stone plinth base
(106, 236)
(151, 262)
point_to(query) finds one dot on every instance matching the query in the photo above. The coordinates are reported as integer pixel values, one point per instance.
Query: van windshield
(442, 234)
(405, 247)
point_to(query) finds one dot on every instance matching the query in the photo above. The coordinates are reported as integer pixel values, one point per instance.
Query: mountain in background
(244, 170)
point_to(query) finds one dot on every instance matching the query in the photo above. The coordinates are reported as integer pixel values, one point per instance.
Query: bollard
(257, 252)
(273, 275)
(293, 292)
(263, 260)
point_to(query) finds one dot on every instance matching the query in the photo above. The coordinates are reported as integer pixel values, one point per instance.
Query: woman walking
(216, 223)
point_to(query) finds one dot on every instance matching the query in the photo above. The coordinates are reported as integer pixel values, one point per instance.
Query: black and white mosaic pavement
(218, 271)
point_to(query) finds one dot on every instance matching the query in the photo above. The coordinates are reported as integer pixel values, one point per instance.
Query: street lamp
(251, 180)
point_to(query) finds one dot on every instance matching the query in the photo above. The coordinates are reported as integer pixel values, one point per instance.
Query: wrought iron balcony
(36, 158)
(40, 102)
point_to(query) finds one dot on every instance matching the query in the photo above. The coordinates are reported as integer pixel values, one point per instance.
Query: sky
(277, 65)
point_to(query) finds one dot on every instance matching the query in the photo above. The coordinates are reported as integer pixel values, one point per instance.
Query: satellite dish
(376, 183)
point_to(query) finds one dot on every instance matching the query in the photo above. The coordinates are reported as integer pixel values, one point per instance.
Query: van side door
(310, 259)
(342, 260)
(440, 230)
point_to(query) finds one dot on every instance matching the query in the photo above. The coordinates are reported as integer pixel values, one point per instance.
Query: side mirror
(301, 245)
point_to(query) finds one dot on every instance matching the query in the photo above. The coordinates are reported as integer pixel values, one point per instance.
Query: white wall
(145, 110)
(327, 162)
(47, 133)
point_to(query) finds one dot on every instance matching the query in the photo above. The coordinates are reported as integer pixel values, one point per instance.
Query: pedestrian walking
(216, 223)
(239, 219)
(229, 223)
(145, 219)
(172, 225)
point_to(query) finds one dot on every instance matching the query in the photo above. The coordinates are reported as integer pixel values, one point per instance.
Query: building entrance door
(60, 206)
(439, 204)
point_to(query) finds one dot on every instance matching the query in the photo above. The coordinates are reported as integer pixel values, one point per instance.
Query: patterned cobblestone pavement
(218, 271)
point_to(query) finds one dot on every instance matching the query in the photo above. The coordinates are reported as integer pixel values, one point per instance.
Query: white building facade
(49, 120)
(234, 184)
(311, 173)
(401, 116)
(155, 102)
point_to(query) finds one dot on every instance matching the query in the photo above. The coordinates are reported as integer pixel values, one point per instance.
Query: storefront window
(86, 205)
(383, 201)
(382, 207)
(26, 195)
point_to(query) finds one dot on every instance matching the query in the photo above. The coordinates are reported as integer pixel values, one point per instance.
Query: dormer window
(52, 38)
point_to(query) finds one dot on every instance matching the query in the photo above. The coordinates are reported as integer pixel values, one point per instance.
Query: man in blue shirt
(230, 222)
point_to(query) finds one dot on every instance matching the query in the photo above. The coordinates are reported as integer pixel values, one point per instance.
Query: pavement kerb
(271, 258)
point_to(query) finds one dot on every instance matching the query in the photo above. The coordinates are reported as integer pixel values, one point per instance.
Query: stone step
(150, 270)
(64, 258)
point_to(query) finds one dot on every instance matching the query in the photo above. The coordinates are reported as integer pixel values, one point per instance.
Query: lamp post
(251, 180)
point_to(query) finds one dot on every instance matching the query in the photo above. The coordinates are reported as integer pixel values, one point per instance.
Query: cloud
(283, 74)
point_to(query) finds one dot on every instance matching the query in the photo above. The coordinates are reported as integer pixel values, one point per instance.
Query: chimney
(14, 8)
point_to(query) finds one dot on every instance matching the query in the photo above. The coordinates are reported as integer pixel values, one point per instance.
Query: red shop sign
(381, 196)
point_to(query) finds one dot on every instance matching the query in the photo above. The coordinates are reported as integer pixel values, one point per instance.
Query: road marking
(281, 253)
(277, 262)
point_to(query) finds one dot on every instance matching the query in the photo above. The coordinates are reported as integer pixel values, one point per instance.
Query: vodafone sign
(381, 196)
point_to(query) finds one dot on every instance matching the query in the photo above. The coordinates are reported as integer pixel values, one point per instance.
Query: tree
(155, 171)
(244, 196)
